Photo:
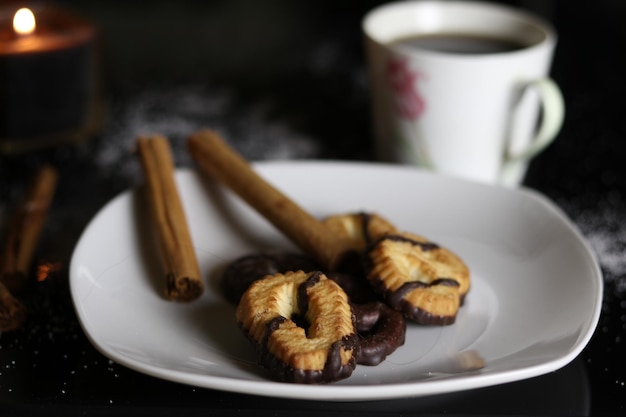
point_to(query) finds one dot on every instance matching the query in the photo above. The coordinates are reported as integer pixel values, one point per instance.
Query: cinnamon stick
(25, 229)
(12, 312)
(217, 159)
(182, 273)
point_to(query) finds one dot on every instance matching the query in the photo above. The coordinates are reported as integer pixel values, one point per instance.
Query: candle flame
(24, 22)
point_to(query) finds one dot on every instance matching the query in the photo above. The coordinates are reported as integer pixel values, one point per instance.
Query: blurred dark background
(304, 60)
(287, 79)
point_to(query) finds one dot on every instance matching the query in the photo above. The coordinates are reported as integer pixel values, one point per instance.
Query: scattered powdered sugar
(610, 252)
(176, 112)
(605, 231)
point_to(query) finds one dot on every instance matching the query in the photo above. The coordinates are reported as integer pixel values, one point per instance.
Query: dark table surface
(286, 80)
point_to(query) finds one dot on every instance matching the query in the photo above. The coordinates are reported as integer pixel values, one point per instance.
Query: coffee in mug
(458, 43)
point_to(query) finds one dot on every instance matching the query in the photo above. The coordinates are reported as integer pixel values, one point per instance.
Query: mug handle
(552, 120)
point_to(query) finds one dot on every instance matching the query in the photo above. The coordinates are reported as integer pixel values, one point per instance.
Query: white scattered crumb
(605, 231)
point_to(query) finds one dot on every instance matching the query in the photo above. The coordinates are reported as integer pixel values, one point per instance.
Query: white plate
(534, 303)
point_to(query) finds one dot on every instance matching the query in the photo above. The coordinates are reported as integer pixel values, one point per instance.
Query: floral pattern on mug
(409, 106)
(402, 79)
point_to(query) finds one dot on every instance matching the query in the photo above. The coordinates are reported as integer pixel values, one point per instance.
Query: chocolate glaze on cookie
(426, 246)
(396, 299)
(365, 224)
(303, 296)
(381, 330)
(242, 272)
(361, 229)
(333, 370)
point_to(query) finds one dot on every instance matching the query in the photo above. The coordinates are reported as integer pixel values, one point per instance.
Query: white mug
(462, 111)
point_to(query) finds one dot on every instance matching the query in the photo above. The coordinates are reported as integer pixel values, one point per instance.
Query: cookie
(302, 326)
(423, 280)
(381, 331)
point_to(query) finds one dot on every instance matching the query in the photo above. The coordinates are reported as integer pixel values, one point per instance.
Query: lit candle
(49, 79)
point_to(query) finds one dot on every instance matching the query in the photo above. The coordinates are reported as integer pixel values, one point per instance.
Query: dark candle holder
(50, 81)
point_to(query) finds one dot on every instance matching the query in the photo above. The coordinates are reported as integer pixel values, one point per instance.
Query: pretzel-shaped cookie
(302, 326)
(381, 330)
(419, 278)
(423, 280)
